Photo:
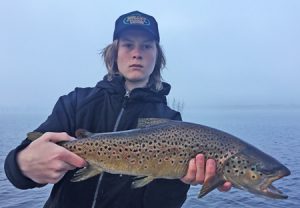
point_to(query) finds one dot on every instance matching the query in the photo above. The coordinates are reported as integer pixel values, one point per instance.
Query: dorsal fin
(147, 122)
(34, 135)
(82, 133)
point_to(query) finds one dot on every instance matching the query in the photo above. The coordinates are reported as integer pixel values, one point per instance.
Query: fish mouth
(271, 191)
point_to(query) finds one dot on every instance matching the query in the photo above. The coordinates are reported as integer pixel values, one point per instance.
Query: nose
(137, 53)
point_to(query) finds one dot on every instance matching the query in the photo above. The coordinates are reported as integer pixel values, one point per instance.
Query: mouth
(136, 66)
(271, 191)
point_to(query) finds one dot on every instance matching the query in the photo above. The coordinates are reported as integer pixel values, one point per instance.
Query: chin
(137, 79)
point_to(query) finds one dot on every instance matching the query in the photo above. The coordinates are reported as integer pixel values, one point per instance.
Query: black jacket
(96, 109)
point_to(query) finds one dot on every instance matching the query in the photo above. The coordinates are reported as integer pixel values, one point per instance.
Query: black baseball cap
(136, 20)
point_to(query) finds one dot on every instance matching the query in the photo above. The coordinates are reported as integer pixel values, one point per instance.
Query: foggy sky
(218, 52)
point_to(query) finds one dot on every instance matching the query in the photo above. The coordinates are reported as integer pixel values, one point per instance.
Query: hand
(43, 161)
(199, 171)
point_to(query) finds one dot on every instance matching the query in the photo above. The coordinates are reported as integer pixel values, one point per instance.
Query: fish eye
(264, 171)
(267, 172)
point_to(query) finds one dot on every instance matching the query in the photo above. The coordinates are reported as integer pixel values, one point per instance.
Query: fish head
(255, 171)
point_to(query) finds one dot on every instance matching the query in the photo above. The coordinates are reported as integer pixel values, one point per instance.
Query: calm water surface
(276, 131)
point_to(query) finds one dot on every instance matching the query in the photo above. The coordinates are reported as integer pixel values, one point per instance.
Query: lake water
(276, 131)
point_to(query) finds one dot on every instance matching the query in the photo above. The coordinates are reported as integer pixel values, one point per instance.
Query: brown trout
(161, 148)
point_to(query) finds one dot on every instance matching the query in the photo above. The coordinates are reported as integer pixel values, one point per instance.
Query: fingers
(65, 155)
(225, 187)
(200, 171)
(210, 169)
(72, 159)
(196, 171)
(63, 167)
(58, 172)
(43, 161)
(200, 165)
(191, 172)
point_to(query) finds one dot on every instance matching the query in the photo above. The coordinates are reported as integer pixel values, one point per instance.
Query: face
(136, 59)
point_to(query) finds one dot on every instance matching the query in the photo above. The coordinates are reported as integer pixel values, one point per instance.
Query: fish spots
(161, 148)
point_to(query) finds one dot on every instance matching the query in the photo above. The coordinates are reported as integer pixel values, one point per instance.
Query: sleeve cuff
(14, 173)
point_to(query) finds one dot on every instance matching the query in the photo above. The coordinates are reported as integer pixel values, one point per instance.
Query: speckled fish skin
(161, 148)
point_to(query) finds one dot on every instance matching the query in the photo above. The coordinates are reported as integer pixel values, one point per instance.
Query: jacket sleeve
(61, 120)
(13, 172)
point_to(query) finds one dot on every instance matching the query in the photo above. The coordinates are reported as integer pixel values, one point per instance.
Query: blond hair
(110, 54)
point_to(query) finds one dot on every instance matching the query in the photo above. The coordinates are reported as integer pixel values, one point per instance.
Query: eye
(127, 45)
(264, 170)
(147, 46)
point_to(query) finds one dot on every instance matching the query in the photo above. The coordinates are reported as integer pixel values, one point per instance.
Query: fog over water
(218, 52)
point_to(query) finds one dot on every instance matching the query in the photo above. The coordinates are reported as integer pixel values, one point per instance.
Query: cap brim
(135, 27)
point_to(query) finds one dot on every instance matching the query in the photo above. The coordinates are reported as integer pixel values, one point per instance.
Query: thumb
(56, 137)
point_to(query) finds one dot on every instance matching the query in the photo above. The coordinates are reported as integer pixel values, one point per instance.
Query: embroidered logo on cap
(136, 19)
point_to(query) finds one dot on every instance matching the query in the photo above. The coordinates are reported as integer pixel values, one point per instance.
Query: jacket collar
(116, 86)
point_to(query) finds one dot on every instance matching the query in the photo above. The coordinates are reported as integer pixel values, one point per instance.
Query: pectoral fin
(141, 181)
(86, 172)
(210, 184)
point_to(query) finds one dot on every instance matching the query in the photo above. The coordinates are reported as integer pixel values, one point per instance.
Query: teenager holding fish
(132, 89)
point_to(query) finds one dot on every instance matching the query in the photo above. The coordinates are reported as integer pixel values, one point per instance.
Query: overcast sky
(218, 52)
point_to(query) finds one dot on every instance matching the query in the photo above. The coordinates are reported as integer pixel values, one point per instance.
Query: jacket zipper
(126, 98)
